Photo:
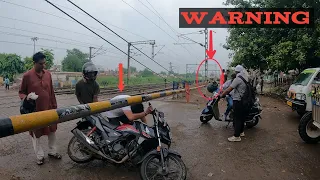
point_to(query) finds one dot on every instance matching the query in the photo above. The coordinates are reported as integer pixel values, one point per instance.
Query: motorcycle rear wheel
(88, 156)
(146, 173)
(252, 123)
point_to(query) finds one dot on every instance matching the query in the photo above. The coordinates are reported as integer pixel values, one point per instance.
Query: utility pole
(90, 53)
(128, 70)
(170, 68)
(205, 53)
(152, 42)
(34, 39)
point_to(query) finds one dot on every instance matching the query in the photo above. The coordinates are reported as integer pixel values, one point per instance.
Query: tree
(275, 48)
(10, 65)
(49, 57)
(132, 70)
(28, 61)
(146, 73)
(74, 60)
(163, 73)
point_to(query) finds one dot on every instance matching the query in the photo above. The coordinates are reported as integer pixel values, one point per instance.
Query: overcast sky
(59, 32)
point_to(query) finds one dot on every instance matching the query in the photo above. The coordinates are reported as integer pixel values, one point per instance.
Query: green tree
(49, 57)
(74, 60)
(275, 48)
(28, 63)
(146, 73)
(10, 65)
(163, 73)
(132, 70)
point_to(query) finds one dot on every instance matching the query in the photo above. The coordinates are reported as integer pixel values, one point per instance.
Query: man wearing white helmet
(239, 87)
(87, 89)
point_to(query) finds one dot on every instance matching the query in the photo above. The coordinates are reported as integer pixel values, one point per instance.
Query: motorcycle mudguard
(207, 110)
(215, 110)
(165, 151)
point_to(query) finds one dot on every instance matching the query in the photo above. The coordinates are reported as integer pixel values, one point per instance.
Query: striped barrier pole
(22, 123)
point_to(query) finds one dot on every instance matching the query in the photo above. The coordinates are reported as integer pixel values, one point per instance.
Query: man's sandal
(56, 156)
(40, 161)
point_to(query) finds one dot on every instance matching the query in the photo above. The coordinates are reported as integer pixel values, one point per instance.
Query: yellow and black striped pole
(21, 123)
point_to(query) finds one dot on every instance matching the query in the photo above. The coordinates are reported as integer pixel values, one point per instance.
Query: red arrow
(210, 52)
(120, 85)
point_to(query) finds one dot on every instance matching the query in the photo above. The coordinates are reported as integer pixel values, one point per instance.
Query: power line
(89, 44)
(104, 22)
(156, 25)
(51, 27)
(59, 16)
(11, 42)
(100, 36)
(116, 34)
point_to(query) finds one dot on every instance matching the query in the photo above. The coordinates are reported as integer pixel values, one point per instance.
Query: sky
(133, 20)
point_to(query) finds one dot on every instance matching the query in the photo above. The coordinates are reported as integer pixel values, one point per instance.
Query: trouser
(261, 87)
(239, 118)
(7, 86)
(51, 143)
(229, 105)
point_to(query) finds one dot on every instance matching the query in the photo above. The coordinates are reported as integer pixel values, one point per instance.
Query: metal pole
(152, 51)
(128, 71)
(205, 53)
(34, 39)
(90, 53)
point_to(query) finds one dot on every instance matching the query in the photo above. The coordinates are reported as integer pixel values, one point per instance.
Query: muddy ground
(272, 150)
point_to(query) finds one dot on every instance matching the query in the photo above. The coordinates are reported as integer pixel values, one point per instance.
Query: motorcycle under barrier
(82, 137)
(32, 121)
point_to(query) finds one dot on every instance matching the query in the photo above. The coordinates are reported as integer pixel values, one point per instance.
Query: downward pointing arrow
(120, 85)
(210, 52)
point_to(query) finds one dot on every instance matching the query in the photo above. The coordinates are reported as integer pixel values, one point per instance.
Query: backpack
(248, 98)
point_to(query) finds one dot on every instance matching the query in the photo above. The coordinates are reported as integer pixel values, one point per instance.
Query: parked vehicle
(309, 127)
(212, 110)
(299, 93)
(137, 145)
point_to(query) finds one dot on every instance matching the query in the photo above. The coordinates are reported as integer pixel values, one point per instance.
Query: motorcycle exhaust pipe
(92, 147)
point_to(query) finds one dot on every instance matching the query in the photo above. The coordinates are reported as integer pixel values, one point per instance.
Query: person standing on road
(229, 96)
(239, 87)
(39, 81)
(87, 89)
(7, 82)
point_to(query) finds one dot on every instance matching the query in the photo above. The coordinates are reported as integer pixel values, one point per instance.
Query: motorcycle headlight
(301, 96)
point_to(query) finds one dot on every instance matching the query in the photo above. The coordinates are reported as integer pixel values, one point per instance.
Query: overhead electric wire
(89, 44)
(157, 26)
(56, 16)
(39, 45)
(116, 34)
(101, 37)
(104, 22)
(51, 27)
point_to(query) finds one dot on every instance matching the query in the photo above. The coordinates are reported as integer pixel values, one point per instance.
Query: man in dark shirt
(87, 89)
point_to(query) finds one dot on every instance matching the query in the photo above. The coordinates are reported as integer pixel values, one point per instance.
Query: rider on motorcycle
(127, 114)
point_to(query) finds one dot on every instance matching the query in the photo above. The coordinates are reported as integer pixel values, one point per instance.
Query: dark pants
(7, 86)
(239, 117)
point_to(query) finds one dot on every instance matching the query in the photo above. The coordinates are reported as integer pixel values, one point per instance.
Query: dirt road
(272, 151)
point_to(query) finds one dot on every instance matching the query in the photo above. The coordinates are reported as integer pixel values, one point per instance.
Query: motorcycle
(212, 110)
(136, 145)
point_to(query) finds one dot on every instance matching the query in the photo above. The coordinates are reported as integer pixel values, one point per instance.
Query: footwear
(242, 134)
(56, 156)
(234, 139)
(40, 161)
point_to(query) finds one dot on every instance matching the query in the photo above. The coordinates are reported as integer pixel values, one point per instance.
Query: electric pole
(90, 53)
(170, 68)
(34, 39)
(151, 42)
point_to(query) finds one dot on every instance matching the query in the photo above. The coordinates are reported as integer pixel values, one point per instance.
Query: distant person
(39, 81)
(7, 82)
(87, 89)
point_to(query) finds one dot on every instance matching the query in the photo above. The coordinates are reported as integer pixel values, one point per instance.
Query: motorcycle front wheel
(252, 123)
(151, 168)
(206, 119)
(78, 152)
